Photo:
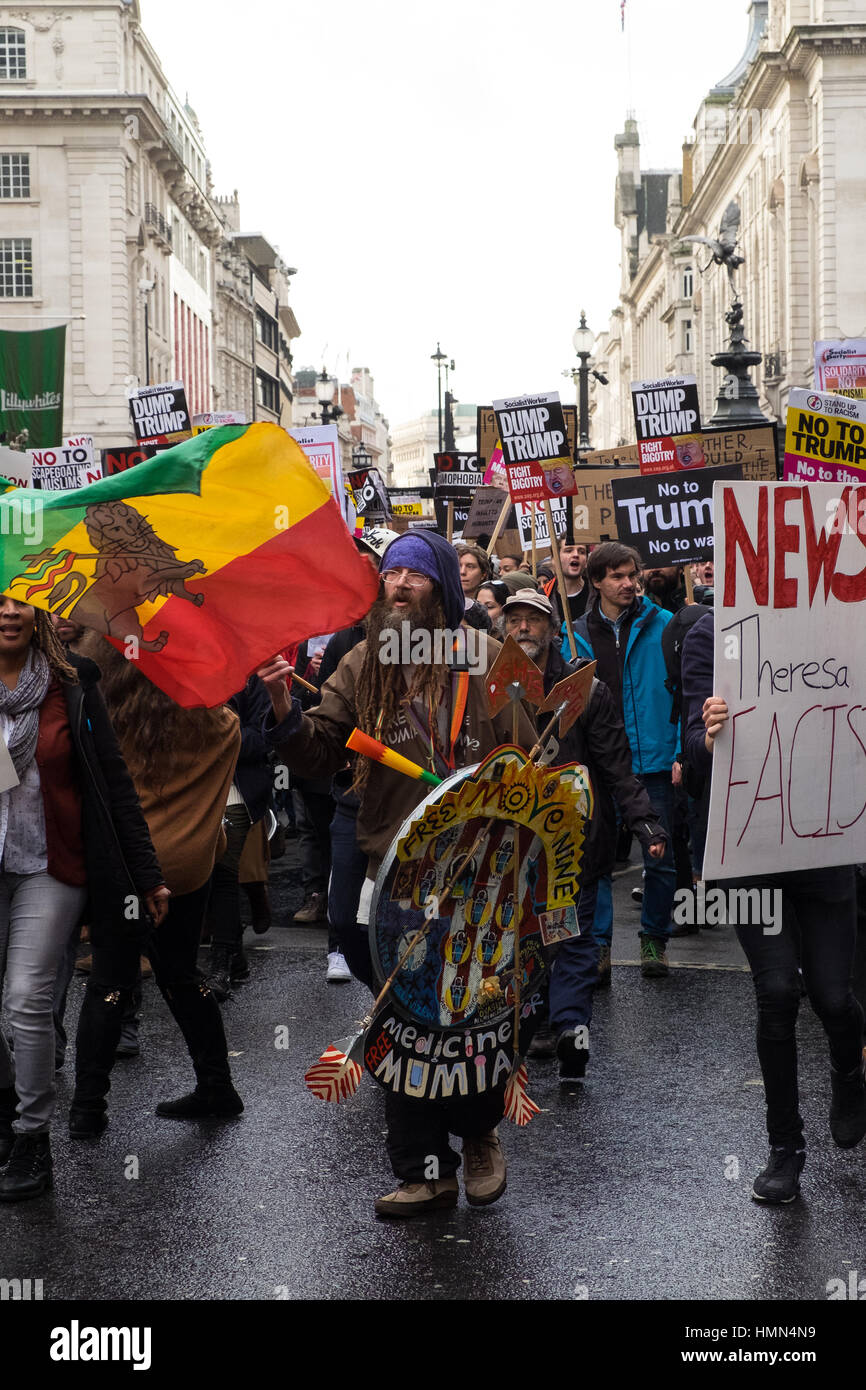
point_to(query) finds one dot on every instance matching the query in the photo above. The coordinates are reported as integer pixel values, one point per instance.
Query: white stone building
(414, 444)
(785, 136)
(107, 217)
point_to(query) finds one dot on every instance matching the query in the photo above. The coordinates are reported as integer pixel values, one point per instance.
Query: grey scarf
(21, 707)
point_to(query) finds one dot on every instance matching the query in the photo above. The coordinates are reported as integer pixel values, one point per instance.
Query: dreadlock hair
(46, 639)
(150, 727)
(380, 689)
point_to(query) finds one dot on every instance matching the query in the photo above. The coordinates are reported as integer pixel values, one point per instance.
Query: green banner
(31, 386)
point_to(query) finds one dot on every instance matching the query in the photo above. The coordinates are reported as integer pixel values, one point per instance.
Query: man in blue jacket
(624, 634)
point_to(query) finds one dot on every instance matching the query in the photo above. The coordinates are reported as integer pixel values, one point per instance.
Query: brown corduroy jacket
(316, 747)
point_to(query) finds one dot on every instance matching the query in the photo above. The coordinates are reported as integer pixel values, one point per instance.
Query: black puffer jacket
(598, 740)
(119, 856)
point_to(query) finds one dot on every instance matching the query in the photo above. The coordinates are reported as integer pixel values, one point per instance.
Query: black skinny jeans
(818, 935)
(224, 906)
(172, 950)
(418, 1131)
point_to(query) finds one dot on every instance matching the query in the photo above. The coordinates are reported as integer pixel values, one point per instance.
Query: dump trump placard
(667, 421)
(534, 447)
(789, 767)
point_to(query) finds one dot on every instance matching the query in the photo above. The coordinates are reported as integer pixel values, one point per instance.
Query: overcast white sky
(441, 170)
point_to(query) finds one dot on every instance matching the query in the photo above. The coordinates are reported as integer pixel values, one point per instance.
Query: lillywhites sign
(31, 385)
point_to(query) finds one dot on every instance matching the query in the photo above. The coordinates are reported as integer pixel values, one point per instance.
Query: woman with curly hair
(70, 828)
(182, 762)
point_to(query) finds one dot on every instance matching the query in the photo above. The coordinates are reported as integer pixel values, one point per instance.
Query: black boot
(198, 1016)
(240, 966)
(8, 1111)
(99, 1028)
(260, 906)
(219, 977)
(28, 1172)
(205, 1102)
(848, 1107)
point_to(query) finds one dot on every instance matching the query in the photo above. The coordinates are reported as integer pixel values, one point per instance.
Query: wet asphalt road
(636, 1187)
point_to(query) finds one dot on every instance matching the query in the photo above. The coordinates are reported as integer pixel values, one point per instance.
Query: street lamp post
(583, 340)
(439, 357)
(361, 458)
(325, 395)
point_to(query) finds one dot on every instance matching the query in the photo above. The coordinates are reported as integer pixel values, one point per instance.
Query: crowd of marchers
(132, 826)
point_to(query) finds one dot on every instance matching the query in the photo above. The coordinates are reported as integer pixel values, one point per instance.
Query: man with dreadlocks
(438, 717)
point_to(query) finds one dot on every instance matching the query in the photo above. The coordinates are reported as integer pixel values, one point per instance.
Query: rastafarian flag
(199, 564)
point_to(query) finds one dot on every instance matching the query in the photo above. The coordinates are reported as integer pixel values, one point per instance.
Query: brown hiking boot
(484, 1174)
(602, 979)
(314, 909)
(417, 1199)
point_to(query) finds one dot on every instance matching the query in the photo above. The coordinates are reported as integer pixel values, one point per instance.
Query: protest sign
(669, 518)
(753, 446)
(159, 413)
(459, 513)
(405, 504)
(789, 767)
(121, 457)
(212, 419)
(370, 493)
(840, 365)
(534, 447)
(16, 467)
(526, 515)
(321, 444)
(623, 456)
(487, 432)
(70, 465)
(484, 513)
(667, 419)
(455, 472)
(825, 438)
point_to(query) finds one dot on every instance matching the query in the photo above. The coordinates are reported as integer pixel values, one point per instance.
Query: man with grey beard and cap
(597, 740)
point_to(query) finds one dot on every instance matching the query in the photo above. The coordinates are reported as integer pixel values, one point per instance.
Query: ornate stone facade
(785, 136)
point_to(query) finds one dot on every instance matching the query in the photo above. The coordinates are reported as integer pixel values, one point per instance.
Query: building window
(16, 268)
(688, 282)
(266, 330)
(13, 55)
(267, 391)
(687, 335)
(14, 176)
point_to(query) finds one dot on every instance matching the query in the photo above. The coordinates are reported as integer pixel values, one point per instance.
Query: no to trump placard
(825, 438)
(789, 768)
(669, 517)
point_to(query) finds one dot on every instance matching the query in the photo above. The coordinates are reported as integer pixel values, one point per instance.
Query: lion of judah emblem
(133, 566)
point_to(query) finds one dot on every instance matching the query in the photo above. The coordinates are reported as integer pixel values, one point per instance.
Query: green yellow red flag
(199, 564)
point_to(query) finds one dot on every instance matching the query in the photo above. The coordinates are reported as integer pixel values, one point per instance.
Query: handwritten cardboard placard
(789, 768)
